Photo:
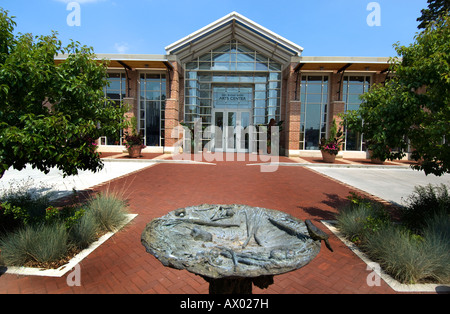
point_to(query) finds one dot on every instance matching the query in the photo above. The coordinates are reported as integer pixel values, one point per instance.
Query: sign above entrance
(233, 97)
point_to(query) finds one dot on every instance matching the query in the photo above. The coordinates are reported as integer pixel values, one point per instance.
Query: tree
(437, 9)
(413, 108)
(51, 114)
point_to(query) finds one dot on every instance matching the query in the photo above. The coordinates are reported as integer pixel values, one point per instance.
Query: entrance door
(234, 135)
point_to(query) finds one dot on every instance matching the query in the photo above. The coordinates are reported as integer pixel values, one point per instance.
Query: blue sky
(321, 27)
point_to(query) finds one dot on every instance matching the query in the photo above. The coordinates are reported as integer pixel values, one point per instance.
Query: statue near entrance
(232, 246)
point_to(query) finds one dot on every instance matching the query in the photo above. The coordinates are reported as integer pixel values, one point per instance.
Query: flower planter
(327, 157)
(134, 151)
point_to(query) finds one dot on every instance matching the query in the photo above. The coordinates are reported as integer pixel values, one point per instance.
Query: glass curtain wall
(313, 114)
(116, 92)
(152, 106)
(353, 88)
(229, 66)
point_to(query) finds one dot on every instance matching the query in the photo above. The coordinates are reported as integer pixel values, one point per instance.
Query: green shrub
(24, 202)
(108, 210)
(424, 203)
(356, 199)
(84, 231)
(359, 219)
(40, 243)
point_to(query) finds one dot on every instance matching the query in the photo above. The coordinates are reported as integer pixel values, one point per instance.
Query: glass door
(243, 133)
(218, 136)
(231, 134)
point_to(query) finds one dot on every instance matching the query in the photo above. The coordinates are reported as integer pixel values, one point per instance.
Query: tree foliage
(51, 114)
(436, 10)
(414, 106)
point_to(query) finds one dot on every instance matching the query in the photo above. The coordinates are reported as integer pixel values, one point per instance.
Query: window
(313, 114)
(233, 56)
(152, 105)
(353, 88)
(116, 92)
(255, 76)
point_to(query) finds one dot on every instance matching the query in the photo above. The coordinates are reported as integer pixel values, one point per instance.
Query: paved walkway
(394, 185)
(121, 264)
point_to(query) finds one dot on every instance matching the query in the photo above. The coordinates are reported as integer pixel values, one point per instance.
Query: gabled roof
(234, 26)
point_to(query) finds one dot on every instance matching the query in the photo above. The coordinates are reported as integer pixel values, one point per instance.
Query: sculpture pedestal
(232, 246)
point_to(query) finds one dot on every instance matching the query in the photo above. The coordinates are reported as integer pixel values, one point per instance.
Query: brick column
(131, 97)
(293, 106)
(132, 111)
(336, 108)
(293, 134)
(172, 105)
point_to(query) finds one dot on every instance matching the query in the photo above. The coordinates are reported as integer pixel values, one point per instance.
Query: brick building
(236, 72)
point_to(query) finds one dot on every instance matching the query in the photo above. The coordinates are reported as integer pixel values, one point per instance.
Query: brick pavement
(121, 264)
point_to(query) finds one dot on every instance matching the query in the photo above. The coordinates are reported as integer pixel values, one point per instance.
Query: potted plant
(193, 140)
(269, 133)
(134, 142)
(377, 152)
(330, 147)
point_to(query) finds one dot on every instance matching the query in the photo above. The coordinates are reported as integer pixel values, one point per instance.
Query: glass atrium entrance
(232, 87)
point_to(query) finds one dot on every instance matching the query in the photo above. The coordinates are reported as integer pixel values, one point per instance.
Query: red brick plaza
(121, 264)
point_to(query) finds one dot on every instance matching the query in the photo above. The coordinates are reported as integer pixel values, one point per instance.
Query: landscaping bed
(35, 233)
(412, 249)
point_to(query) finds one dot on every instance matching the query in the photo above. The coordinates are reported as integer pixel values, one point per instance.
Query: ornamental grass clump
(437, 245)
(414, 251)
(49, 241)
(109, 210)
(85, 231)
(31, 244)
(410, 258)
(360, 218)
(351, 221)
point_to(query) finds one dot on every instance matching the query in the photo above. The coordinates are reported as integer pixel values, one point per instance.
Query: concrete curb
(312, 165)
(152, 161)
